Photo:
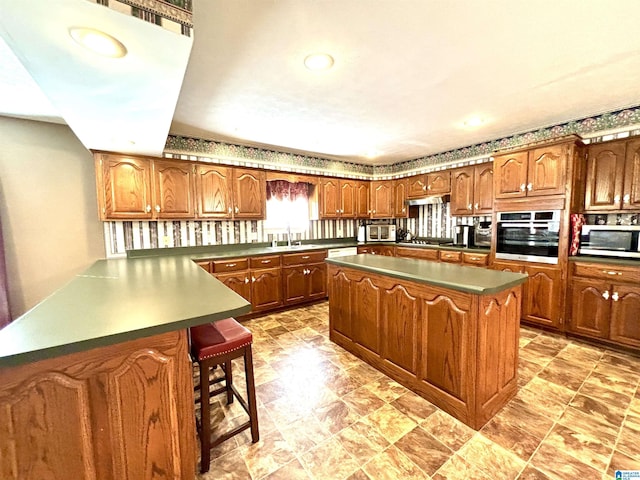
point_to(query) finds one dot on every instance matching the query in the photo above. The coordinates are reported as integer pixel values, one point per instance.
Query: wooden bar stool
(217, 344)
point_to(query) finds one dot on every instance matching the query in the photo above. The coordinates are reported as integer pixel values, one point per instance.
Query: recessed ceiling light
(98, 42)
(473, 122)
(318, 61)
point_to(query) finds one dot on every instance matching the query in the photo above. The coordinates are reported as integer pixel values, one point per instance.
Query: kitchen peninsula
(449, 333)
(96, 382)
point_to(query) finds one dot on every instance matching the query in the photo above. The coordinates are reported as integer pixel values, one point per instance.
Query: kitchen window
(287, 207)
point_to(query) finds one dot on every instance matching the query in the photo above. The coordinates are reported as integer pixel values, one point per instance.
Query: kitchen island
(96, 381)
(449, 333)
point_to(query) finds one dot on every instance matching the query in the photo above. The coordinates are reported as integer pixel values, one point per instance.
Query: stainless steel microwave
(381, 233)
(610, 240)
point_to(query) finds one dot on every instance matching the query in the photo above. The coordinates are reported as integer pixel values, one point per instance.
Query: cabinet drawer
(265, 262)
(230, 265)
(481, 259)
(614, 273)
(422, 253)
(204, 265)
(304, 258)
(451, 257)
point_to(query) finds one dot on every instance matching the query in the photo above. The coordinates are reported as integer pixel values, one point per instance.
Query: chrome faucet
(288, 235)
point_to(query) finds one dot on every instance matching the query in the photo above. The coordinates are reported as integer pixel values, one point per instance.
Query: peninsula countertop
(476, 280)
(118, 300)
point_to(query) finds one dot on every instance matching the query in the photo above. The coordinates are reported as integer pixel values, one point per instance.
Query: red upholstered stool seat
(217, 344)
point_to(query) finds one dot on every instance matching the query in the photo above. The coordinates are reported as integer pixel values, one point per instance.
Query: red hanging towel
(577, 220)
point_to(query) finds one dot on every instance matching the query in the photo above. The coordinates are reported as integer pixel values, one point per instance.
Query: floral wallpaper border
(585, 127)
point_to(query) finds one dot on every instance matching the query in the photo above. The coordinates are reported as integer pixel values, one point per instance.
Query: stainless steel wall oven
(528, 236)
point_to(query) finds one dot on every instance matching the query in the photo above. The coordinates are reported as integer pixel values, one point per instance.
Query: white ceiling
(407, 73)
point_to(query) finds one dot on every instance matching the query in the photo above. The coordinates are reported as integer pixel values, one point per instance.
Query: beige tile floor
(325, 414)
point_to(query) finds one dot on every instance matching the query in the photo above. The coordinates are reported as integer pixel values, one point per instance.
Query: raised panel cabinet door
(445, 345)
(382, 199)
(400, 336)
(400, 209)
(330, 198)
(365, 325)
(347, 199)
(266, 288)
(439, 182)
(249, 193)
(317, 281)
(340, 304)
(543, 296)
(483, 189)
(294, 284)
(417, 186)
(510, 175)
(213, 191)
(547, 170)
(462, 191)
(362, 200)
(625, 315)
(590, 307)
(127, 187)
(605, 166)
(174, 189)
(239, 282)
(507, 266)
(631, 190)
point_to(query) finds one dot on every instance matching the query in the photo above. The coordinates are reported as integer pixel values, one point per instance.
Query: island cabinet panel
(400, 320)
(458, 350)
(123, 411)
(445, 334)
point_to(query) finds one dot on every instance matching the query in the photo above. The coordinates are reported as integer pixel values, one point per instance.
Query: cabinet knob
(523, 187)
(616, 198)
(429, 187)
(374, 211)
(626, 198)
(148, 209)
(237, 209)
(229, 209)
(469, 207)
(246, 279)
(253, 279)
(158, 208)
(477, 206)
(530, 186)
(605, 294)
(615, 296)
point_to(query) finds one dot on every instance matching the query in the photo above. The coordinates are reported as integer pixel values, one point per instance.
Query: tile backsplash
(120, 236)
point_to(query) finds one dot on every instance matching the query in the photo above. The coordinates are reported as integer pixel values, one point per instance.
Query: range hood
(435, 199)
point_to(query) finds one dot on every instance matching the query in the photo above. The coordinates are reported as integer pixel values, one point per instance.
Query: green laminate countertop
(118, 300)
(476, 280)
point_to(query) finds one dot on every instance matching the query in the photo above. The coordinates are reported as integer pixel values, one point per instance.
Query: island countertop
(477, 280)
(118, 300)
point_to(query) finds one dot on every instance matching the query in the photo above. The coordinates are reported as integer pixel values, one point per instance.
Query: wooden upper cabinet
(124, 187)
(439, 183)
(249, 193)
(537, 172)
(547, 170)
(213, 187)
(342, 198)
(613, 176)
(348, 198)
(362, 200)
(400, 209)
(382, 199)
(174, 189)
(417, 186)
(510, 175)
(472, 190)
(329, 198)
(483, 189)
(462, 182)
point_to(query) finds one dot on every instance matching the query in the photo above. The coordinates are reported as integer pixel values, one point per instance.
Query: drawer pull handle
(305, 257)
(605, 294)
(611, 272)
(231, 265)
(475, 259)
(265, 261)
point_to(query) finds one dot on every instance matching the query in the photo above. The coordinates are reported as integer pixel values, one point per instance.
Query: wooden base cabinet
(457, 350)
(304, 277)
(605, 303)
(125, 411)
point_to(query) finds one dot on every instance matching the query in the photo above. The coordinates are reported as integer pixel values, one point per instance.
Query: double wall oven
(531, 236)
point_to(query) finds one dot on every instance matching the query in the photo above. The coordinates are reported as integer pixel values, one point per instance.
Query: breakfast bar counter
(96, 381)
(448, 332)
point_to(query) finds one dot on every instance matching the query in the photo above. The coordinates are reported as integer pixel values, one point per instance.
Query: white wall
(48, 209)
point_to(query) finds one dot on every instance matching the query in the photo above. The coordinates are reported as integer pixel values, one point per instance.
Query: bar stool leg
(205, 418)
(228, 378)
(251, 394)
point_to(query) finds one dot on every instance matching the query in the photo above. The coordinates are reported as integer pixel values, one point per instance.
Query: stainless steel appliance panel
(610, 241)
(531, 236)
